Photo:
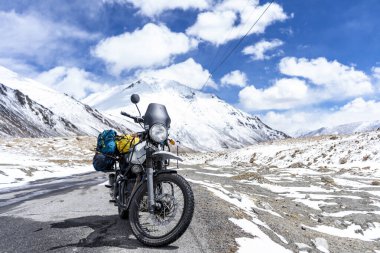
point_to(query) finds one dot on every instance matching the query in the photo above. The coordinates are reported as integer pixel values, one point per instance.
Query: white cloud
(312, 82)
(189, 73)
(286, 93)
(354, 111)
(152, 46)
(230, 19)
(376, 77)
(338, 80)
(153, 8)
(258, 51)
(376, 72)
(18, 65)
(31, 35)
(324, 81)
(234, 78)
(287, 30)
(290, 122)
(72, 81)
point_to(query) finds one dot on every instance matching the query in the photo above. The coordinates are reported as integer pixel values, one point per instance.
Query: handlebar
(135, 119)
(126, 114)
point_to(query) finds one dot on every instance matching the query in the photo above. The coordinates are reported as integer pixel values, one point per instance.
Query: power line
(227, 55)
(225, 37)
(241, 39)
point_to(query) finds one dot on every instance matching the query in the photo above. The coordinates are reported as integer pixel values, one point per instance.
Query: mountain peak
(200, 121)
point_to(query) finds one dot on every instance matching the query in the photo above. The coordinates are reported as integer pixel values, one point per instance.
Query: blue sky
(307, 64)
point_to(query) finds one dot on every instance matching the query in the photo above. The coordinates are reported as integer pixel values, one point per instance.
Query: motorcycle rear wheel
(161, 228)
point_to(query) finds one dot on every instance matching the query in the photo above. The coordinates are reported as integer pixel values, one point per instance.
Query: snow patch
(321, 244)
(353, 231)
(260, 243)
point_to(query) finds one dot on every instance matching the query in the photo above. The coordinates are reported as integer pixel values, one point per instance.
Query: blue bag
(102, 162)
(106, 142)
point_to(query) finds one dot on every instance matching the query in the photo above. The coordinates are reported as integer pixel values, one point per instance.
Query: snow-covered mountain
(22, 117)
(200, 121)
(350, 128)
(85, 119)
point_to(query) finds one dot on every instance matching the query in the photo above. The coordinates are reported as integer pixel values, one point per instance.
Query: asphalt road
(73, 214)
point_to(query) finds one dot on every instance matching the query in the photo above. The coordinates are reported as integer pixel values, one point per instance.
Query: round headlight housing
(158, 133)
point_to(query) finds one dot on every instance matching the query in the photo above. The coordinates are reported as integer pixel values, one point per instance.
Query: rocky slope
(85, 119)
(22, 117)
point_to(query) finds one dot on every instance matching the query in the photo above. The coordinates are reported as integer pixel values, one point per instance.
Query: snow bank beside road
(16, 169)
(25, 160)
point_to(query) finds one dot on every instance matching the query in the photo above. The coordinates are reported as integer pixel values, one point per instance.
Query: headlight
(158, 133)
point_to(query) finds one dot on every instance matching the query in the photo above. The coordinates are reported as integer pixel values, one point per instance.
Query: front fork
(151, 202)
(149, 172)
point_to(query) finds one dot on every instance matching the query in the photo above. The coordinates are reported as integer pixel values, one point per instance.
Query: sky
(304, 65)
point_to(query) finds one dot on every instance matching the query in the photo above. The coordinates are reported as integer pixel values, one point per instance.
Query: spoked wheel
(172, 215)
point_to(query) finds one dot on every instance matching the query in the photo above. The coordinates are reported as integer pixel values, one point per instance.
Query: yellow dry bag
(126, 142)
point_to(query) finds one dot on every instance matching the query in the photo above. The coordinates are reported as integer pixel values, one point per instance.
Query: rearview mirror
(135, 98)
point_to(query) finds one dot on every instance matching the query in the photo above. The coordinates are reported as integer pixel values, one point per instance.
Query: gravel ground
(303, 202)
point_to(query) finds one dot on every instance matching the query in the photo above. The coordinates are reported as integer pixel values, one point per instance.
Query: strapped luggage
(105, 149)
(106, 142)
(125, 142)
(102, 162)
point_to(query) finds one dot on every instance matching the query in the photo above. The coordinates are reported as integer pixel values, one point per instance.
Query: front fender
(165, 155)
(164, 172)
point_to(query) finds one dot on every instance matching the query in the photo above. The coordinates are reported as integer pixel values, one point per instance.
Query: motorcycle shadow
(109, 231)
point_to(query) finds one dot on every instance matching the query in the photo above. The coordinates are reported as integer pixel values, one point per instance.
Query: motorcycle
(158, 202)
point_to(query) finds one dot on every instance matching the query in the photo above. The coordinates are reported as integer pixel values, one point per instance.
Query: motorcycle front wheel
(172, 215)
